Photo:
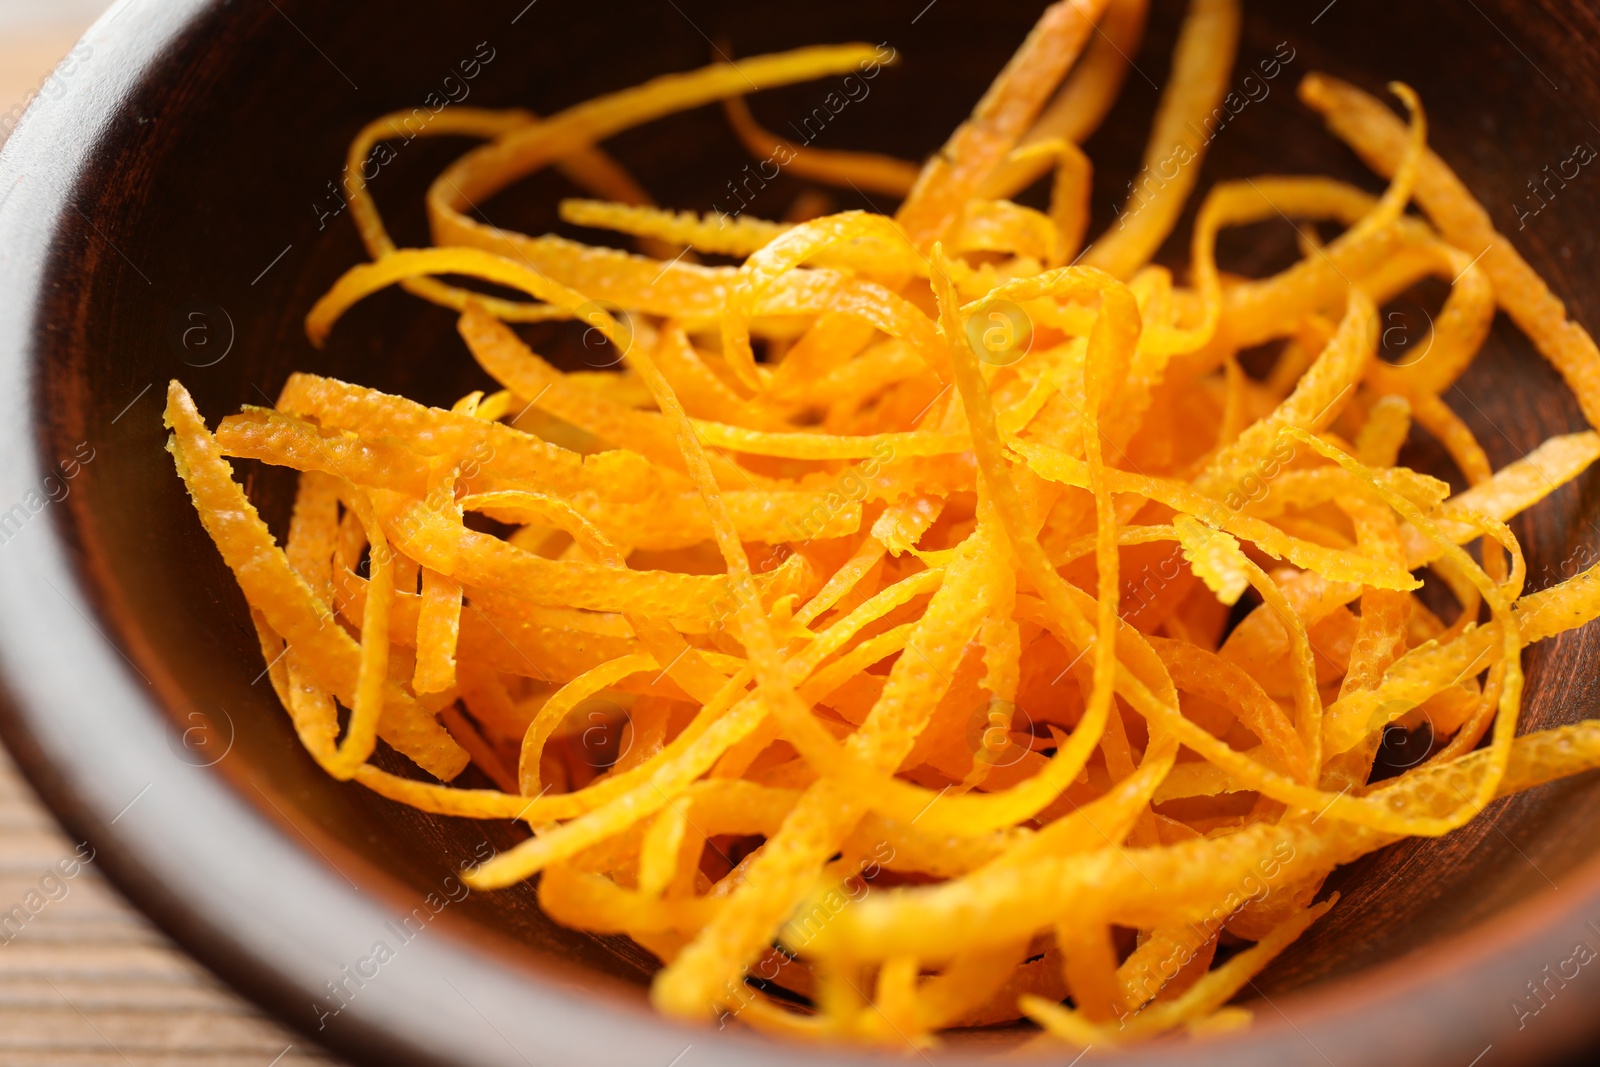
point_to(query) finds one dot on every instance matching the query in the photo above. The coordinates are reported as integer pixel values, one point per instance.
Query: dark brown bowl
(166, 210)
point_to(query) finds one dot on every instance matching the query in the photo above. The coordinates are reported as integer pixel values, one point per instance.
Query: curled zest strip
(912, 650)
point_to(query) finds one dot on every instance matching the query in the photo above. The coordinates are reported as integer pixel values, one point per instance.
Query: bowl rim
(86, 727)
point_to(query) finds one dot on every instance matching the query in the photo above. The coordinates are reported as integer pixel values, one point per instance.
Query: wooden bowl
(169, 209)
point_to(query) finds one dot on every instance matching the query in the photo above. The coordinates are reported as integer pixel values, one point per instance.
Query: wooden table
(87, 981)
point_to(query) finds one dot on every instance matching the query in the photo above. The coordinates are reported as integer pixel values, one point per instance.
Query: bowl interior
(220, 182)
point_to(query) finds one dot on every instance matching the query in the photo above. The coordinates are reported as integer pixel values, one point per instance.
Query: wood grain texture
(209, 188)
(87, 981)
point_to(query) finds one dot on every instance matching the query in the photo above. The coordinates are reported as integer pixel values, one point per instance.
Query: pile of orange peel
(1056, 686)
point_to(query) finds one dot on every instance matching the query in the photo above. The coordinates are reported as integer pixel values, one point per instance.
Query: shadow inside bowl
(220, 181)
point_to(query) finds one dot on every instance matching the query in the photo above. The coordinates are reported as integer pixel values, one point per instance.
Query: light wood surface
(27, 53)
(87, 981)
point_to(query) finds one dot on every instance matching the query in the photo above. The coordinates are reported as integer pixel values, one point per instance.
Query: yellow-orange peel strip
(946, 609)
